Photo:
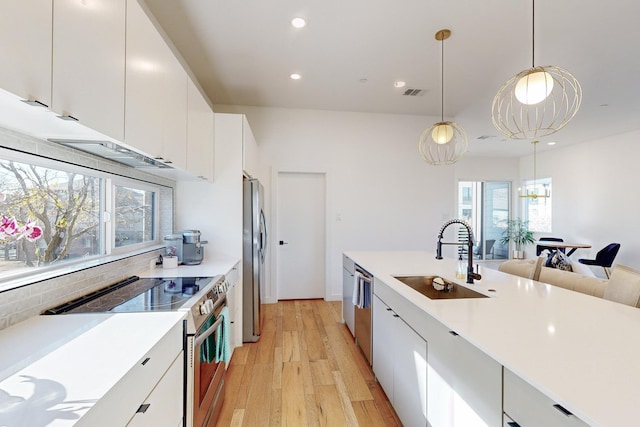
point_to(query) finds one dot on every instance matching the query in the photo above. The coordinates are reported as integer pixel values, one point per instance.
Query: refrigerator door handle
(263, 236)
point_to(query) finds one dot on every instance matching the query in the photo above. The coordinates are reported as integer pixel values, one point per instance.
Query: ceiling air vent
(414, 92)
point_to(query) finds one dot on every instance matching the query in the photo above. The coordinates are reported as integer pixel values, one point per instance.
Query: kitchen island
(576, 350)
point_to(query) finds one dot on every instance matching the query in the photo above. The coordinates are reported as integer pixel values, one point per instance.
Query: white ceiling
(243, 51)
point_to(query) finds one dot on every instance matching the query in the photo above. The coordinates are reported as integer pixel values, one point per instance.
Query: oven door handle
(203, 336)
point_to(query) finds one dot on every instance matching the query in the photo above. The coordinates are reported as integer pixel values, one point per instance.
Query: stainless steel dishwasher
(364, 293)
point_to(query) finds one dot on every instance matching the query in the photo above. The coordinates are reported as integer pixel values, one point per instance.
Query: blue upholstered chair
(604, 257)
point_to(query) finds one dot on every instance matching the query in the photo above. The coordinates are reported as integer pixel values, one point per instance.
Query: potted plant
(517, 232)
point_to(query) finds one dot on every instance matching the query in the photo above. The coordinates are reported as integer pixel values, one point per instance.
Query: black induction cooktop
(136, 294)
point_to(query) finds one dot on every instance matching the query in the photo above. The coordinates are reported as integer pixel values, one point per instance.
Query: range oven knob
(203, 309)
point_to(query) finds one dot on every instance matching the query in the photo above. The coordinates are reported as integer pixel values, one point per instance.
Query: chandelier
(534, 194)
(536, 102)
(445, 142)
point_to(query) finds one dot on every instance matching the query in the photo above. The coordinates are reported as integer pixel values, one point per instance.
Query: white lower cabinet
(525, 406)
(164, 406)
(400, 364)
(464, 384)
(234, 302)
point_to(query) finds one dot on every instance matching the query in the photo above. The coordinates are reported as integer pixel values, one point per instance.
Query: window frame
(107, 239)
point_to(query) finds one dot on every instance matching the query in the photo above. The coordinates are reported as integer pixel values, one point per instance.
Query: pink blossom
(30, 231)
(8, 227)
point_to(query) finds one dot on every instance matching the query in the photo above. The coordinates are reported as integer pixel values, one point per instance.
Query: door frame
(271, 294)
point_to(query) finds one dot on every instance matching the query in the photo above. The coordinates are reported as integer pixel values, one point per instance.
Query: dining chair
(540, 248)
(604, 258)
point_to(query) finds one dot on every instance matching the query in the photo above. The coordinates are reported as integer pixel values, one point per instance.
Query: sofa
(565, 279)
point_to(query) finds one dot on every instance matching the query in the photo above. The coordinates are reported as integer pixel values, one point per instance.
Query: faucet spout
(471, 275)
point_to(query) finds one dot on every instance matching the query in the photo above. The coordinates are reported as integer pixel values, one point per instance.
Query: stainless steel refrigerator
(253, 255)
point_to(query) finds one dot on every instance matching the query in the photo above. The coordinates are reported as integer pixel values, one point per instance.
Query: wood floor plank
(313, 420)
(367, 413)
(258, 401)
(349, 414)
(236, 420)
(329, 406)
(289, 319)
(356, 386)
(233, 380)
(321, 372)
(294, 412)
(277, 369)
(290, 346)
(275, 416)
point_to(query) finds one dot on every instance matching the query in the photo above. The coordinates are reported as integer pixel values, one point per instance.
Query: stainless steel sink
(424, 285)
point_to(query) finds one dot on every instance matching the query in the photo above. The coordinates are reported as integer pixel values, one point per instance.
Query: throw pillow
(560, 261)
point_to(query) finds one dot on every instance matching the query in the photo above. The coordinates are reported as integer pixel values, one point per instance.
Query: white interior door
(301, 235)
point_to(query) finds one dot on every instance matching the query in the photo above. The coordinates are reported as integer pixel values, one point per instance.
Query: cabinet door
(25, 46)
(164, 405)
(410, 375)
(464, 384)
(530, 408)
(200, 134)
(383, 345)
(249, 149)
(89, 63)
(156, 92)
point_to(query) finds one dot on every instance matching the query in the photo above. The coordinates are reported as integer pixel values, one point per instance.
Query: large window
(537, 210)
(485, 205)
(56, 213)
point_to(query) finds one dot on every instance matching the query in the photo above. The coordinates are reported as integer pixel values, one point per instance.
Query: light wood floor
(304, 371)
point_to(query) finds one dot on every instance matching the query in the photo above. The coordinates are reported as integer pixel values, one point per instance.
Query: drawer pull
(513, 424)
(35, 103)
(454, 333)
(396, 315)
(143, 408)
(563, 410)
(144, 362)
(69, 118)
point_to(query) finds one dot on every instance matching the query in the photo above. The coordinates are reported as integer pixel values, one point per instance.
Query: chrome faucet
(470, 273)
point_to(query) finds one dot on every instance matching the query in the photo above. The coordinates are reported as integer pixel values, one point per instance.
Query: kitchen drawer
(164, 405)
(233, 275)
(123, 400)
(528, 407)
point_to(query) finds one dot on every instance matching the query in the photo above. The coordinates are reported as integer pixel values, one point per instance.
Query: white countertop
(210, 266)
(581, 351)
(60, 366)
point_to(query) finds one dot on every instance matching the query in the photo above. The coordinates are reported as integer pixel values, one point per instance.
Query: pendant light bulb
(442, 133)
(534, 87)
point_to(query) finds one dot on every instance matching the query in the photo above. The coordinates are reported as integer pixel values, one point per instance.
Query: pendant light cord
(533, 33)
(442, 79)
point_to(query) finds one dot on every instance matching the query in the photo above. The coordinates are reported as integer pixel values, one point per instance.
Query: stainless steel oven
(205, 361)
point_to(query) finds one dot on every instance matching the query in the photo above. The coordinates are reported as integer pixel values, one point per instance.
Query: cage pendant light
(538, 101)
(534, 194)
(445, 142)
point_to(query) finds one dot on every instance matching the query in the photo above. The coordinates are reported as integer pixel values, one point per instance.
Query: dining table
(563, 245)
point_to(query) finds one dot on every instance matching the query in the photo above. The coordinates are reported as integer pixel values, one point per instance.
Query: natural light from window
(537, 210)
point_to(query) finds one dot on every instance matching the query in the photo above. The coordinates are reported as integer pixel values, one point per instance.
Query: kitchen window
(55, 213)
(537, 210)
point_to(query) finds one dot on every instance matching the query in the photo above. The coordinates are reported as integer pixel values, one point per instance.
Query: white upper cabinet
(200, 134)
(89, 63)
(25, 46)
(249, 150)
(156, 92)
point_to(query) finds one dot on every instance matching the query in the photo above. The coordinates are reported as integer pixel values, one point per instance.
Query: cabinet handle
(454, 333)
(562, 410)
(395, 315)
(69, 118)
(144, 362)
(143, 408)
(388, 309)
(513, 424)
(35, 103)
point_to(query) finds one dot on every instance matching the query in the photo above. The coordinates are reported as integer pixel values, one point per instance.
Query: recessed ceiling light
(298, 22)
(399, 83)
(295, 76)
(551, 143)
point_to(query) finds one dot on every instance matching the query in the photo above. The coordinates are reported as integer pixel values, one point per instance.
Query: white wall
(595, 194)
(387, 198)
